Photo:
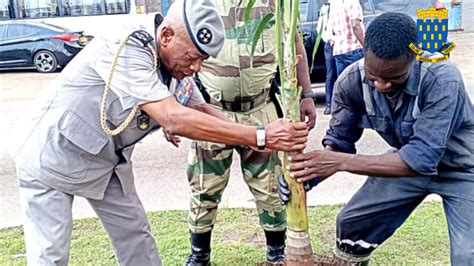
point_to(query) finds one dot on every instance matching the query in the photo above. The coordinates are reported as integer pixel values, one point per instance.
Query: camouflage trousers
(209, 171)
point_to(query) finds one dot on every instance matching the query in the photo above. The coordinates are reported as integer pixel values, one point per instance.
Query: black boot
(200, 250)
(275, 245)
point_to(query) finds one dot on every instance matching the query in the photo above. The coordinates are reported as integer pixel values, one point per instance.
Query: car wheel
(45, 62)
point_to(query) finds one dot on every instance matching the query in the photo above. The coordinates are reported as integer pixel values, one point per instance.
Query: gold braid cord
(131, 115)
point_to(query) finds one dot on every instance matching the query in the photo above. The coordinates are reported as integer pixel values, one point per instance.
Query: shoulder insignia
(142, 36)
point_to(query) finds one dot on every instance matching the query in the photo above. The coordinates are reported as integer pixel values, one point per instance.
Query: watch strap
(261, 137)
(306, 95)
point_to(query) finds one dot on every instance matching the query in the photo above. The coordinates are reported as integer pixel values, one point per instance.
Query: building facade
(42, 9)
(24, 9)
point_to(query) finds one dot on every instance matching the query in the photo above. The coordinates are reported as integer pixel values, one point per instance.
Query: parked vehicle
(373, 8)
(42, 46)
(309, 13)
(309, 10)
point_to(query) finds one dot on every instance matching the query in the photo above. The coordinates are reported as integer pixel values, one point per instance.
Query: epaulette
(142, 36)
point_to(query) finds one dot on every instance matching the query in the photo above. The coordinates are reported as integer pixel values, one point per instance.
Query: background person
(327, 35)
(348, 27)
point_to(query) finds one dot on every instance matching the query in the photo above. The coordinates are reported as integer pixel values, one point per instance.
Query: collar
(411, 86)
(158, 20)
(152, 22)
(166, 77)
(151, 27)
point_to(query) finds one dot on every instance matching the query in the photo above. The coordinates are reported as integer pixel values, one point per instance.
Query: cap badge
(204, 35)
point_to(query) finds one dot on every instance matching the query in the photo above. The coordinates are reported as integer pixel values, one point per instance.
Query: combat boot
(200, 249)
(275, 245)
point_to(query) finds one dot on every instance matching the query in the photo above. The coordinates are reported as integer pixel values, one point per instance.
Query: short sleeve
(186, 92)
(196, 97)
(134, 80)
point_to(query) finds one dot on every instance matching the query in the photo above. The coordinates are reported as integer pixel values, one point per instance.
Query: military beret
(204, 25)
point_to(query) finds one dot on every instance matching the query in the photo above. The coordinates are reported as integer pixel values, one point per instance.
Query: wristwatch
(311, 95)
(260, 137)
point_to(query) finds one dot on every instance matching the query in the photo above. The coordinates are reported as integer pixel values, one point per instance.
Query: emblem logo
(204, 35)
(432, 26)
(184, 91)
(143, 121)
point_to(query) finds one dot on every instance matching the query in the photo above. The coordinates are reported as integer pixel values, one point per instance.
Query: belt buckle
(235, 106)
(247, 105)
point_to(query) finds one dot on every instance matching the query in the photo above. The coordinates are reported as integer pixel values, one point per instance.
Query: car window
(304, 7)
(366, 7)
(309, 9)
(408, 7)
(382, 6)
(5, 10)
(16, 31)
(54, 27)
(415, 5)
(2, 28)
(45, 31)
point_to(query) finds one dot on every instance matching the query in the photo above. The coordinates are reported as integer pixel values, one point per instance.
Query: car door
(18, 45)
(308, 17)
(368, 10)
(309, 12)
(408, 7)
(2, 31)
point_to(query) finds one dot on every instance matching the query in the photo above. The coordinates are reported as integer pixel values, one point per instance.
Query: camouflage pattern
(209, 170)
(230, 78)
(230, 75)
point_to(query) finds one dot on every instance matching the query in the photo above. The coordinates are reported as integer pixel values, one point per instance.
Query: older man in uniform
(121, 81)
(241, 93)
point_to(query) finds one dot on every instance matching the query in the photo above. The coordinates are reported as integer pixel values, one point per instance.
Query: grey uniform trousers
(48, 223)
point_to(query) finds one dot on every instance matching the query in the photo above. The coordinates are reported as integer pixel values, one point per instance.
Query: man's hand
(284, 191)
(308, 110)
(285, 136)
(173, 139)
(322, 164)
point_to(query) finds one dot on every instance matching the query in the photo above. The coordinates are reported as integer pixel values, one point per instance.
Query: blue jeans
(344, 60)
(382, 205)
(331, 74)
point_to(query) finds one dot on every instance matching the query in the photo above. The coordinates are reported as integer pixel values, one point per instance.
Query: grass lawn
(238, 239)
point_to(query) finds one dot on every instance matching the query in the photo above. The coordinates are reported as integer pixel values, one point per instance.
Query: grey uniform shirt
(63, 144)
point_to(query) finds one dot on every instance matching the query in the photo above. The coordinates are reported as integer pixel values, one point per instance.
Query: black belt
(244, 104)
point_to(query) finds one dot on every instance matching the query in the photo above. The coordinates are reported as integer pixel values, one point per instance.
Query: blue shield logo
(432, 33)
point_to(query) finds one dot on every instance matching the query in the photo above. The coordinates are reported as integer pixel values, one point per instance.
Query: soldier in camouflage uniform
(242, 94)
